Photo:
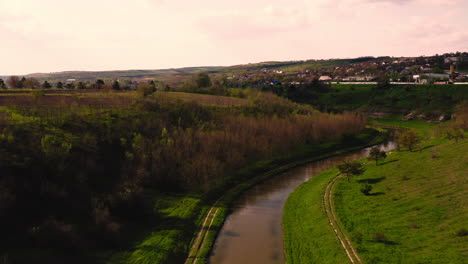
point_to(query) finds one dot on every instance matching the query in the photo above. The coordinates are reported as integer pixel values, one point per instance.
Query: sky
(60, 35)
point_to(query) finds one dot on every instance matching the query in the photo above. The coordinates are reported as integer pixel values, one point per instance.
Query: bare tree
(14, 82)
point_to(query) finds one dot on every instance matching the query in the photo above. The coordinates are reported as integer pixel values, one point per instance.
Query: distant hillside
(121, 74)
(427, 69)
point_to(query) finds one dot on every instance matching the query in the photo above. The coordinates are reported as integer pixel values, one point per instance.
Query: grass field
(396, 99)
(308, 237)
(426, 130)
(418, 204)
(416, 212)
(167, 241)
(101, 98)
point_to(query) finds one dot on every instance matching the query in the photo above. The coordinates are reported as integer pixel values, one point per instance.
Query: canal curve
(252, 232)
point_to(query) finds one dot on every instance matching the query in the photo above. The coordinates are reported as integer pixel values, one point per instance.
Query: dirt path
(344, 240)
(202, 235)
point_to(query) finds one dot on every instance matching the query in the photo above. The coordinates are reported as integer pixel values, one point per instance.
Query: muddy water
(252, 233)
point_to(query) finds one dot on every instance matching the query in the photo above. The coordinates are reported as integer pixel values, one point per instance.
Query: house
(437, 76)
(325, 78)
(451, 59)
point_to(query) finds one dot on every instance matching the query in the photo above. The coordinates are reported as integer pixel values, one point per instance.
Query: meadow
(415, 213)
(396, 99)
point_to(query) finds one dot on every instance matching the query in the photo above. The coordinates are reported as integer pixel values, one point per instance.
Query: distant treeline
(73, 177)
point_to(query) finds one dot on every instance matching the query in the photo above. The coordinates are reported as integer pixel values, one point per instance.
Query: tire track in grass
(202, 234)
(344, 240)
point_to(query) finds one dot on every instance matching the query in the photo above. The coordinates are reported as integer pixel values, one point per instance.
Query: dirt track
(344, 240)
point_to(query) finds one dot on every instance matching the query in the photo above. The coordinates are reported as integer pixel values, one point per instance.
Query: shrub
(366, 188)
(375, 154)
(408, 139)
(380, 237)
(357, 236)
(461, 232)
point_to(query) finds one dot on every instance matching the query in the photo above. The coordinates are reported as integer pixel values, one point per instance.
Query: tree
(14, 82)
(46, 85)
(81, 85)
(116, 85)
(383, 82)
(2, 84)
(454, 132)
(376, 154)
(70, 86)
(59, 85)
(366, 188)
(146, 89)
(351, 168)
(203, 80)
(99, 84)
(31, 83)
(408, 139)
(22, 81)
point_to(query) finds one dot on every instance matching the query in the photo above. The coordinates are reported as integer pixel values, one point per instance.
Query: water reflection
(252, 233)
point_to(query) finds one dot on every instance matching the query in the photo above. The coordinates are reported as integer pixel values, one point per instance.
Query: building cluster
(447, 68)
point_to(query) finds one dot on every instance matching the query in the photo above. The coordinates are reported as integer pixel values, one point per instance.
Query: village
(451, 68)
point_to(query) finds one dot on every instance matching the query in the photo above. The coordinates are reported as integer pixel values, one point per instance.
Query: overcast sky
(59, 35)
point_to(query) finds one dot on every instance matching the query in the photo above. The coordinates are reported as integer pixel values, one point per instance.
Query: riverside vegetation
(414, 211)
(126, 178)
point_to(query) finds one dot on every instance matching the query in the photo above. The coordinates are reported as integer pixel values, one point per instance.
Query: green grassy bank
(395, 99)
(416, 212)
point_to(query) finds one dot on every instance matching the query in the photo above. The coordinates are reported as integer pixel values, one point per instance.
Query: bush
(357, 236)
(408, 139)
(461, 232)
(380, 237)
(366, 188)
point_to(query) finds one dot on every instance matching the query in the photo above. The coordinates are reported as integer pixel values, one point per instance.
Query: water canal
(252, 233)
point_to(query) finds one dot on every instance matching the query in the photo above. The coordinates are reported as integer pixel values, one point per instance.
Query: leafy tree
(383, 82)
(350, 169)
(46, 85)
(408, 139)
(146, 89)
(2, 84)
(59, 85)
(456, 133)
(366, 188)
(375, 154)
(99, 84)
(31, 83)
(55, 146)
(81, 85)
(116, 85)
(22, 81)
(203, 80)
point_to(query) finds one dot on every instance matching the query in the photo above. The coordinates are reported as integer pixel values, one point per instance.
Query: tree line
(15, 82)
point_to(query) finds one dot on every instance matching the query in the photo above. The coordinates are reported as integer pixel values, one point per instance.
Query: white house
(325, 78)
